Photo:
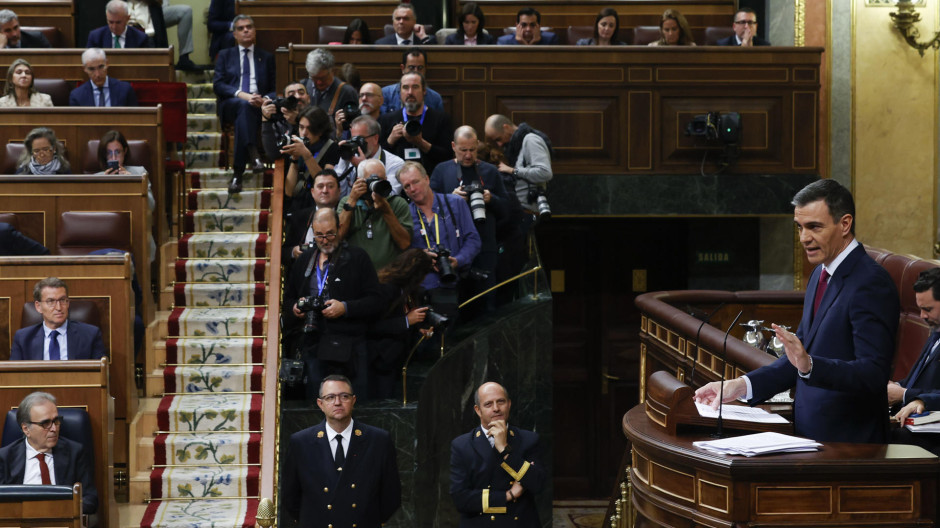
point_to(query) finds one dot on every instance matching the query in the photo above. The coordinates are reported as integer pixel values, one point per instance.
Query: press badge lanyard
(322, 276)
(404, 114)
(424, 230)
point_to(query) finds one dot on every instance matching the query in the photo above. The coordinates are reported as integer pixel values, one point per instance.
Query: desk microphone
(724, 363)
(698, 334)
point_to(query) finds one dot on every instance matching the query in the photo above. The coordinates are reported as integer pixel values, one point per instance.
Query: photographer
(481, 185)
(416, 133)
(325, 194)
(370, 103)
(529, 153)
(443, 227)
(311, 151)
(372, 218)
(407, 315)
(279, 119)
(364, 144)
(326, 91)
(330, 298)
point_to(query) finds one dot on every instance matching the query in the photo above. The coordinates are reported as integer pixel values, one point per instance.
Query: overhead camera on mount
(718, 126)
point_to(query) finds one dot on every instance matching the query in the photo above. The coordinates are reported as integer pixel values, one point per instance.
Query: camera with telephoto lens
(379, 186)
(350, 111)
(477, 204)
(445, 270)
(434, 319)
(537, 195)
(351, 146)
(313, 307)
(413, 127)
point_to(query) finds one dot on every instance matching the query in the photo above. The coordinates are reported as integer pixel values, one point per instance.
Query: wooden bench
(33, 506)
(124, 64)
(81, 384)
(622, 110)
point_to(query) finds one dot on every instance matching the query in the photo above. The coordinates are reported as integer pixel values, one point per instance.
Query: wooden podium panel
(102, 279)
(63, 512)
(82, 384)
(620, 110)
(147, 64)
(872, 485)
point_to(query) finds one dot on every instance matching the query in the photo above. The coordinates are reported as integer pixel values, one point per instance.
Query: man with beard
(919, 391)
(495, 469)
(341, 472)
(332, 293)
(416, 133)
(325, 194)
(370, 104)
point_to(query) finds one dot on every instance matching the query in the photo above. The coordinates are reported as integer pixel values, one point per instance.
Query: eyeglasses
(43, 150)
(748, 22)
(47, 424)
(51, 303)
(327, 236)
(344, 397)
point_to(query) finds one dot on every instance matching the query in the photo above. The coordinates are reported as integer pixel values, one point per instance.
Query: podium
(842, 484)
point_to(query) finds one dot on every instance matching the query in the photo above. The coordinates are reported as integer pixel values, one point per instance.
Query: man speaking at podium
(839, 359)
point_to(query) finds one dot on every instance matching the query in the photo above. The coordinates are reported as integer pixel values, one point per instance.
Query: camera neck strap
(339, 90)
(437, 232)
(322, 276)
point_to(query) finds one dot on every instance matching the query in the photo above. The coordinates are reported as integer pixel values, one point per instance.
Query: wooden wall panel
(124, 64)
(280, 23)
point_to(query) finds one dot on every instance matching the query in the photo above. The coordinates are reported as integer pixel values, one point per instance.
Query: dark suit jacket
(296, 230)
(103, 38)
(73, 463)
(221, 14)
(33, 39)
(851, 341)
(122, 94)
(365, 493)
(228, 78)
(731, 41)
(390, 39)
(548, 38)
(84, 342)
(14, 243)
(926, 386)
(479, 479)
(436, 129)
(482, 39)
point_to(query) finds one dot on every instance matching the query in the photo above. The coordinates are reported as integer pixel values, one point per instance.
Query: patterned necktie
(820, 290)
(117, 41)
(43, 469)
(246, 73)
(54, 346)
(340, 455)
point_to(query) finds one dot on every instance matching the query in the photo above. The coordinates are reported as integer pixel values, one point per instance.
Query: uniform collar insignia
(358, 432)
(478, 434)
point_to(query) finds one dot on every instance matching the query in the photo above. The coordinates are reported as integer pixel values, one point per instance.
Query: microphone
(698, 334)
(724, 361)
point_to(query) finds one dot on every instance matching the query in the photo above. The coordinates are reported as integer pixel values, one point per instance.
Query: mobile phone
(113, 165)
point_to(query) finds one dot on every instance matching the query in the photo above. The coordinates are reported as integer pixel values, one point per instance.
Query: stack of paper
(926, 428)
(758, 444)
(740, 412)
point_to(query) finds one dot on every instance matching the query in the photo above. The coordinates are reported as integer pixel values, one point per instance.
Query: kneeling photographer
(481, 185)
(363, 145)
(443, 227)
(406, 317)
(330, 299)
(311, 150)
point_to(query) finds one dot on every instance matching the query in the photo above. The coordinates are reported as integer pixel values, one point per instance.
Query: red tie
(820, 290)
(43, 469)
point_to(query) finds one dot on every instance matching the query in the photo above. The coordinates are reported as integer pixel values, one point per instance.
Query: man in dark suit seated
(117, 34)
(221, 13)
(528, 30)
(340, 472)
(42, 457)
(11, 36)
(745, 30)
(244, 77)
(407, 31)
(56, 337)
(14, 243)
(919, 391)
(495, 469)
(101, 90)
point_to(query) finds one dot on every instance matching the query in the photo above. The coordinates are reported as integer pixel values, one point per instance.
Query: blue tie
(930, 356)
(246, 73)
(54, 345)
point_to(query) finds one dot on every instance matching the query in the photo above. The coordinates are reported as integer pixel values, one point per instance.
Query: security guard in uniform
(495, 469)
(340, 472)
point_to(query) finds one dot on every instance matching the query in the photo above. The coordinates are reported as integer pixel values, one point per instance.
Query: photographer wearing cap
(311, 150)
(330, 298)
(372, 218)
(481, 185)
(416, 133)
(279, 119)
(370, 104)
(363, 144)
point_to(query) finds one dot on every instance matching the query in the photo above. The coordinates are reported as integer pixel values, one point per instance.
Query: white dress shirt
(346, 434)
(32, 474)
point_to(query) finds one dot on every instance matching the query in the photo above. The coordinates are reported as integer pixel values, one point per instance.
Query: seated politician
(20, 90)
(42, 457)
(118, 33)
(43, 155)
(56, 338)
(101, 90)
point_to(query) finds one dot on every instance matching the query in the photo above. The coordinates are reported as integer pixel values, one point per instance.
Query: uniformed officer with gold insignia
(495, 469)
(340, 472)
